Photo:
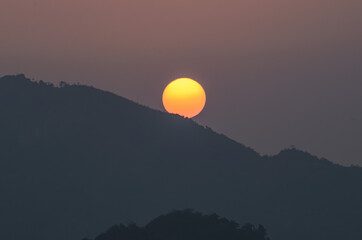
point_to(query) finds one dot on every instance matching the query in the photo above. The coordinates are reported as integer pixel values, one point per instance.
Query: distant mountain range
(75, 160)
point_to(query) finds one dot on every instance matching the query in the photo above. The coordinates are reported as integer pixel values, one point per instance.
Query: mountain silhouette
(186, 224)
(75, 160)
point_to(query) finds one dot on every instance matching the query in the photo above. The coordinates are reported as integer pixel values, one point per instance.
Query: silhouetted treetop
(186, 225)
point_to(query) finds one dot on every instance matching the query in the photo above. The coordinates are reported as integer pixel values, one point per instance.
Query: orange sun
(185, 97)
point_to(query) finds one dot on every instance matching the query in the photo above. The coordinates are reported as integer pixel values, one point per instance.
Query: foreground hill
(188, 225)
(75, 160)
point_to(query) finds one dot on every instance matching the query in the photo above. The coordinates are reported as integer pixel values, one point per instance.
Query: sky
(276, 73)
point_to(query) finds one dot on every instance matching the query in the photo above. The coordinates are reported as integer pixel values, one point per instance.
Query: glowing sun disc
(185, 97)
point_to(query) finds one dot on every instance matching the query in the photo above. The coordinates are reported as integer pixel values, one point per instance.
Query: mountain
(75, 160)
(186, 224)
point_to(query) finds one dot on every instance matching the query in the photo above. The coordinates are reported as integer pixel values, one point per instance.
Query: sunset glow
(185, 97)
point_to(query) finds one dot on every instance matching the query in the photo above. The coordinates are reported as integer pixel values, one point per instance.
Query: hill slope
(75, 160)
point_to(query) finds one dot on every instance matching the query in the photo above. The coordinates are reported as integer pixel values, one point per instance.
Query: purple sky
(276, 73)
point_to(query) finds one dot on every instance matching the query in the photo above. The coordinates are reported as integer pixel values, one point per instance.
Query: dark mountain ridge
(75, 160)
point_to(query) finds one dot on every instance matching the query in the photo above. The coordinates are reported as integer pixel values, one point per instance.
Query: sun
(185, 97)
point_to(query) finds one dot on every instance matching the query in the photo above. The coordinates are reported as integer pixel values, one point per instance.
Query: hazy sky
(276, 73)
